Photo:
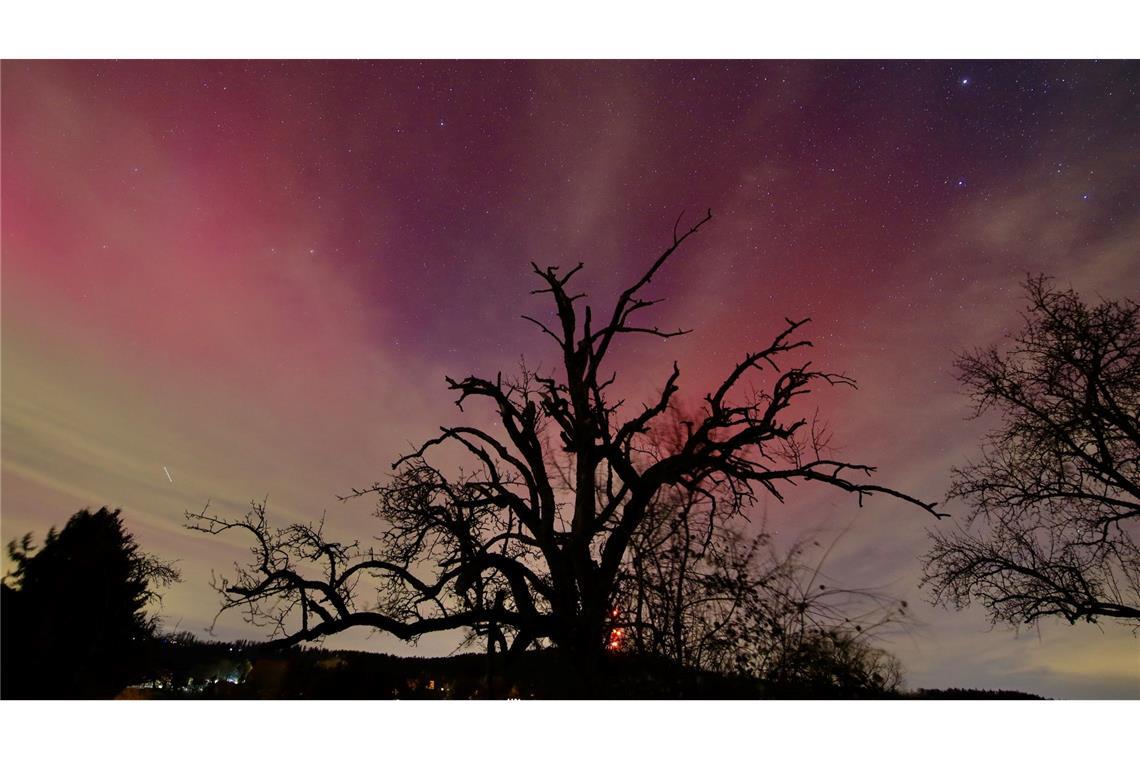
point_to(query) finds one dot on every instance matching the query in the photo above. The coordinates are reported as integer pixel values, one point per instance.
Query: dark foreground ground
(199, 670)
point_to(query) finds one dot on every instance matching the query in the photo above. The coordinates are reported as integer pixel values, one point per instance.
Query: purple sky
(256, 275)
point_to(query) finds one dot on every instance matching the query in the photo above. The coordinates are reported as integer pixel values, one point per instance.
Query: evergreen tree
(75, 620)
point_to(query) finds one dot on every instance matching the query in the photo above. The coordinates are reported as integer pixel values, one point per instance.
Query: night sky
(256, 275)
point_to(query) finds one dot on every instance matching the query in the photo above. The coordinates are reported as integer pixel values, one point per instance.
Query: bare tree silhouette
(511, 549)
(1055, 496)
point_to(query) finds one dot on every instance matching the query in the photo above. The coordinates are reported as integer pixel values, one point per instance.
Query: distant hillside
(970, 694)
(190, 669)
(187, 668)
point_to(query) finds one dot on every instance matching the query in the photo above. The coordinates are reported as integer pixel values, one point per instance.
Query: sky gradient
(255, 275)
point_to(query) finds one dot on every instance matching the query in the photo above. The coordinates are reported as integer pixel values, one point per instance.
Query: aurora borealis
(223, 280)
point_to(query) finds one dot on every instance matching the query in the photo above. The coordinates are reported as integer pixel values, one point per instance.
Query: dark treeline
(76, 626)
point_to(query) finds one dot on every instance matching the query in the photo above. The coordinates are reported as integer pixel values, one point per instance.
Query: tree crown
(530, 541)
(1055, 496)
